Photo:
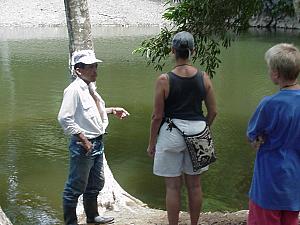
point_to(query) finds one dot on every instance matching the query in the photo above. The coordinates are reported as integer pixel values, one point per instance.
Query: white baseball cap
(84, 56)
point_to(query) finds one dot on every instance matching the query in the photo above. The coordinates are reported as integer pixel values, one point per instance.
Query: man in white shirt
(83, 115)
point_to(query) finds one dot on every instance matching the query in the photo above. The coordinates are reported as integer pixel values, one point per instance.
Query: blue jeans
(86, 175)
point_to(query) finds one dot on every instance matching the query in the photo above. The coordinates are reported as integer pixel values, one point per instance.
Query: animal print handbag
(200, 147)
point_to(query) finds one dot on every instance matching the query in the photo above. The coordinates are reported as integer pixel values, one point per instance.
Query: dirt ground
(147, 216)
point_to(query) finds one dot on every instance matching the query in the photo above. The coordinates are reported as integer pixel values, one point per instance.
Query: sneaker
(101, 220)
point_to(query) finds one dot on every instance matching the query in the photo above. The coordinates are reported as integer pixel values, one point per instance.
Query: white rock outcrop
(32, 13)
(3, 219)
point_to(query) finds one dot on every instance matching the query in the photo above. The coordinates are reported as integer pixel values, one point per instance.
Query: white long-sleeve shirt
(78, 112)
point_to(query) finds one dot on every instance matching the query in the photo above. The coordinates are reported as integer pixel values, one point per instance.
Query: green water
(33, 149)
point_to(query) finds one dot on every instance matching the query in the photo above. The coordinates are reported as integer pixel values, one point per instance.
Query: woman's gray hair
(285, 59)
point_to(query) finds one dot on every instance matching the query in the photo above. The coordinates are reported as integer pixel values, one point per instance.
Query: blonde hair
(285, 59)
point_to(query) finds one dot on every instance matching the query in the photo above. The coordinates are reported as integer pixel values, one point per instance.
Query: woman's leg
(195, 196)
(173, 187)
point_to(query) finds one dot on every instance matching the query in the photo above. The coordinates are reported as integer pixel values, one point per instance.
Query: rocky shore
(147, 216)
(283, 23)
(32, 13)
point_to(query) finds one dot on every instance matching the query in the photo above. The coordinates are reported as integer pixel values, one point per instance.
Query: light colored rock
(263, 21)
(3, 219)
(146, 216)
(113, 198)
(32, 13)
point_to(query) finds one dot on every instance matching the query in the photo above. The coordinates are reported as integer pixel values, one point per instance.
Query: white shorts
(171, 156)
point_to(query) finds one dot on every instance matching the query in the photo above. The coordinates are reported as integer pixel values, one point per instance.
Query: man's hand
(120, 112)
(84, 142)
(257, 142)
(87, 145)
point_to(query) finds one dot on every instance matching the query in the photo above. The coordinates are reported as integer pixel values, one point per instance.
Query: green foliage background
(214, 23)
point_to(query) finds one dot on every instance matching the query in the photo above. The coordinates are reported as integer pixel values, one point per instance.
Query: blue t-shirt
(276, 179)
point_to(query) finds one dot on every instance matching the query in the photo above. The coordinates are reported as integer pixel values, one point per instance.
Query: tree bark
(79, 27)
(113, 196)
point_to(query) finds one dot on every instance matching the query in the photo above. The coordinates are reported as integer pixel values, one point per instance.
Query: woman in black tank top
(179, 95)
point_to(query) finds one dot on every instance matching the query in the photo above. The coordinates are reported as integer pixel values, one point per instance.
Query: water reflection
(48, 33)
(10, 154)
(21, 206)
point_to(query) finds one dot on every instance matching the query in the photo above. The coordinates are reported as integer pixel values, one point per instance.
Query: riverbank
(140, 215)
(146, 216)
(31, 13)
(263, 21)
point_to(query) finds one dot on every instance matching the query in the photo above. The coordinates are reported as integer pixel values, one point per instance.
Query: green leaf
(214, 24)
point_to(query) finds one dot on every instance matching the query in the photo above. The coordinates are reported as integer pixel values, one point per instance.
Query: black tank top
(186, 95)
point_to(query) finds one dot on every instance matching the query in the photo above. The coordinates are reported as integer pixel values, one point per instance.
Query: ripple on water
(29, 209)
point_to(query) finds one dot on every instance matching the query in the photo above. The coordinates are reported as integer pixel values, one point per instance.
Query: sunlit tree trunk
(79, 26)
(113, 196)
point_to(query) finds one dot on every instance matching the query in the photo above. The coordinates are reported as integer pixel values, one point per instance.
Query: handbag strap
(171, 124)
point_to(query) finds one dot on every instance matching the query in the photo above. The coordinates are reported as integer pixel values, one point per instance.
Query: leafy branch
(213, 23)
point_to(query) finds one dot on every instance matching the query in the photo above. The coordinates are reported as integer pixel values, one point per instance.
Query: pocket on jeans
(98, 146)
(77, 149)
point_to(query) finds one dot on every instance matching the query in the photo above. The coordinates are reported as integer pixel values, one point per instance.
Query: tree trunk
(113, 196)
(79, 27)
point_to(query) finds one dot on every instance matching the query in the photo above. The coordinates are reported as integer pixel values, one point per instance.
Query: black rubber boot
(70, 217)
(91, 211)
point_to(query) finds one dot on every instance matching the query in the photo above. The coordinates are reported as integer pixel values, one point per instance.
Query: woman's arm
(158, 111)
(210, 101)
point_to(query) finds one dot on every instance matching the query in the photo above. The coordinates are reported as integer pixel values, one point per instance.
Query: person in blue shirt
(274, 131)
